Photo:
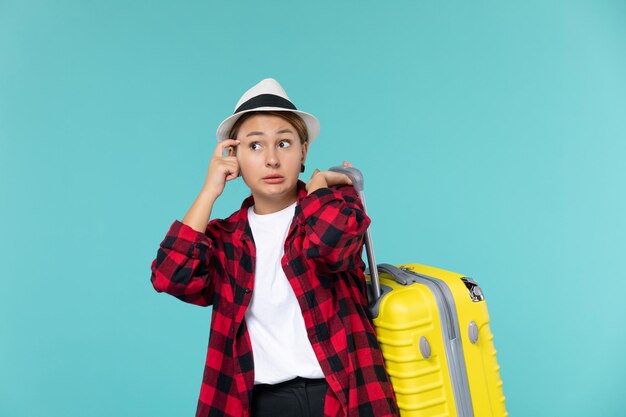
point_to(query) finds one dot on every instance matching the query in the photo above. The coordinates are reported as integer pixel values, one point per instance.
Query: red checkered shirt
(323, 263)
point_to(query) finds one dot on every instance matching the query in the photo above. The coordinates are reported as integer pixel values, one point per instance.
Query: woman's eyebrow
(257, 133)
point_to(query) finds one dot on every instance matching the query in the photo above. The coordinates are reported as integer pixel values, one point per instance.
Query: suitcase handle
(357, 182)
(401, 276)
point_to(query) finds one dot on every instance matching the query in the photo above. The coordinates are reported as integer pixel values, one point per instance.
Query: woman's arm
(184, 263)
(335, 223)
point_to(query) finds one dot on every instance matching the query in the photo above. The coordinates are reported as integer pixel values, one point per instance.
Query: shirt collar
(238, 222)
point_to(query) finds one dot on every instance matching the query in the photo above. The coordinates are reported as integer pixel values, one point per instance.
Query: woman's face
(270, 155)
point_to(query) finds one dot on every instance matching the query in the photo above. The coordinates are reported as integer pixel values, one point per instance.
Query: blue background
(492, 136)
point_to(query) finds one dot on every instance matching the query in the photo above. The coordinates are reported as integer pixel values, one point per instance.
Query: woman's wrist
(207, 195)
(200, 212)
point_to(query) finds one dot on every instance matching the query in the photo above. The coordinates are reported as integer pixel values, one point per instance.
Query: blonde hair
(292, 118)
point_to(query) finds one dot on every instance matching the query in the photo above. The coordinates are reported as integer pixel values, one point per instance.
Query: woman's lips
(273, 179)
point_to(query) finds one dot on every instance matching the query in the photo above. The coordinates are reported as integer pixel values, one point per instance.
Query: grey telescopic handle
(357, 182)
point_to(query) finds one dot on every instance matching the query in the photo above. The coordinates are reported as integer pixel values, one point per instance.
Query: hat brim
(312, 124)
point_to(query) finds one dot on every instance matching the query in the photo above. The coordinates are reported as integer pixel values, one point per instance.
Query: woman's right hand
(221, 169)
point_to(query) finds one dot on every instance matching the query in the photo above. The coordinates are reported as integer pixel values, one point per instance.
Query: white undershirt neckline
(280, 345)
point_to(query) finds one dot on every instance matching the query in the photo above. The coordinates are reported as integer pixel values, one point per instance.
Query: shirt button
(247, 290)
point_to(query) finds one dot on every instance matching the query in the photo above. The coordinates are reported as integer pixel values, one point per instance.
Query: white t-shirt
(280, 345)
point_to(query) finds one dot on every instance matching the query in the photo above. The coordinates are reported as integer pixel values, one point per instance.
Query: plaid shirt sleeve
(183, 267)
(335, 223)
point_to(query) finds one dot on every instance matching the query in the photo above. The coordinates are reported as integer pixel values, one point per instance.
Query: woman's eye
(284, 144)
(255, 146)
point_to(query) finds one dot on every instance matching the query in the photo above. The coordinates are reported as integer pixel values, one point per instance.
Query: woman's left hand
(322, 179)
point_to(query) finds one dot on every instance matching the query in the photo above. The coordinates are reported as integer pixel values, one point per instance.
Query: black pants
(299, 397)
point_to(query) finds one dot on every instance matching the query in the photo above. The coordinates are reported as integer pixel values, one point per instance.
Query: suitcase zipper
(446, 315)
(454, 349)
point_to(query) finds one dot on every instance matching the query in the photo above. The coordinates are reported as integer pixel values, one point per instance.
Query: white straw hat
(267, 95)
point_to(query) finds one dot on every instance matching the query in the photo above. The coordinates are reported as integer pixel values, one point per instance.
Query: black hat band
(266, 100)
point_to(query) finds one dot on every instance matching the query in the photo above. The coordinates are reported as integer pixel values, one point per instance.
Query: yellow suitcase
(433, 329)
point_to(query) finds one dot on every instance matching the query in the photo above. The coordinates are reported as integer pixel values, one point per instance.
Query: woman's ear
(305, 149)
(232, 151)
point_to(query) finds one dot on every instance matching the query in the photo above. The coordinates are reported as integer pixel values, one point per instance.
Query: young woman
(290, 335)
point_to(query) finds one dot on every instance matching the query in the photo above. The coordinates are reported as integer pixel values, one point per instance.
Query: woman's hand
(221, 169)
(322, 179)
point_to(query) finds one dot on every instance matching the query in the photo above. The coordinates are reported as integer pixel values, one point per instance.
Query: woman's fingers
(342, 179)
(222, 168)
(227, 164)
(334, 178)
(221, 147)
(321, 179)
(231, 167)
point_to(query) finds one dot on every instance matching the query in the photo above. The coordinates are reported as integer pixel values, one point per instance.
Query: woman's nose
(271, 159)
